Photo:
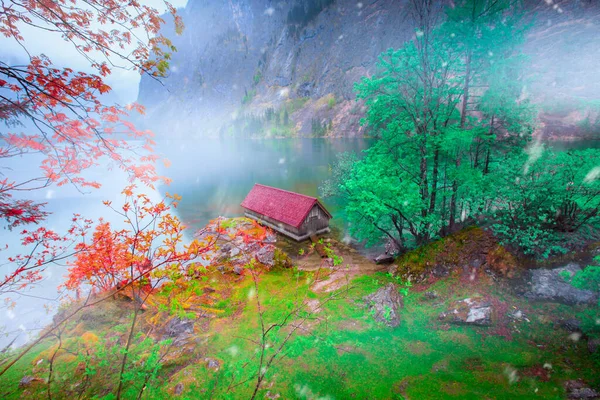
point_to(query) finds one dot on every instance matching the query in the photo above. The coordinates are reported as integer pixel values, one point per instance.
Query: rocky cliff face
(258, 67)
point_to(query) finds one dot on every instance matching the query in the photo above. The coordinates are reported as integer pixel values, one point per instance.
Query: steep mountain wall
(241, 62)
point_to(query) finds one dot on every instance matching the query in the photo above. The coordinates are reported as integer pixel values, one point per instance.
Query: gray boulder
(517, 315)
(238, 270)
(384, 259)
(549, 285)
(27, 381)
(441, 270)
(431, 295)
(266, 255)
(271, 238)
(469, 311)
(593, 345)
(211, 363)
(234, 252)
(178, 389)
(577, 389)
(570, 324)
(385, 305)
(178, 329)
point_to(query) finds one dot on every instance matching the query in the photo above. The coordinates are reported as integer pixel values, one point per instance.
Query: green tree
(546, 202)
(487, 34)
(318, 128)
(411, 106)
(340, 172)
(414, 183)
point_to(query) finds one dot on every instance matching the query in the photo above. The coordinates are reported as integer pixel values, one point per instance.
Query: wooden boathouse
(292, 214)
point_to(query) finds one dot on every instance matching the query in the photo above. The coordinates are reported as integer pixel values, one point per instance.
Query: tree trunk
(399, 224)
(423, 176)
(476, 157)
(443, 229)
(434, 179)
(452, 218)
(463, 119)
(465, 99)
(486, 169)
(424, 189)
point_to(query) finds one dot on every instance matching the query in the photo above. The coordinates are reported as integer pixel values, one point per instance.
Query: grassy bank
(325, 345)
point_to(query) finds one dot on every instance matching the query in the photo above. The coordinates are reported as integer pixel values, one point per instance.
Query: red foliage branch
(46, 247)
(72, 127)
(151, 247)
(67, 121)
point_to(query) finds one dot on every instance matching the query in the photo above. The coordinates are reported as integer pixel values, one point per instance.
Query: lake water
(213, 177)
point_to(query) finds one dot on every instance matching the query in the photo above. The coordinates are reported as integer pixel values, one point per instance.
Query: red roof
(287, 207)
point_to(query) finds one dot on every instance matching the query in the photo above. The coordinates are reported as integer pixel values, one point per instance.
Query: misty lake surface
(212, 176)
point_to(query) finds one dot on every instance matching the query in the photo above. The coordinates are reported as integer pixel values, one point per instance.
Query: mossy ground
(331, 348)
(457, 250)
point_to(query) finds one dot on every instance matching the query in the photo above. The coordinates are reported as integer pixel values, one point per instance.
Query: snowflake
(511, 374)
(592, 175)
(575, 336)
(283, 93)
(233, 351)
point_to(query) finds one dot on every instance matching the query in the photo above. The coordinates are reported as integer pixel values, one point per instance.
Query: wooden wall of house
(315, 220)
(286, 227)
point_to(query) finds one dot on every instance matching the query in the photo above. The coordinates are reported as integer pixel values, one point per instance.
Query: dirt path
(329, 277)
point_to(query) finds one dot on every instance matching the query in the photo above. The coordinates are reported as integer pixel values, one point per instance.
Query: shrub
(589, 279)
(331, 102)
(248, 96)
(545, 198)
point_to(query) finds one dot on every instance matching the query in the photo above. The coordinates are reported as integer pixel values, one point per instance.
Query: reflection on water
(575, 145)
